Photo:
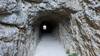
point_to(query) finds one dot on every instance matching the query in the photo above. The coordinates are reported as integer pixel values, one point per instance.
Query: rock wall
(81, 34)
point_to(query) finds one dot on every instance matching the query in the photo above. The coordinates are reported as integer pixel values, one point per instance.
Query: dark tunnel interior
(47, 26)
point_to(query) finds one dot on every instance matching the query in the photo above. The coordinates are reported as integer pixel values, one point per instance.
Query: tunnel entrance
(48, 28)
(48, 21)
(48, 25)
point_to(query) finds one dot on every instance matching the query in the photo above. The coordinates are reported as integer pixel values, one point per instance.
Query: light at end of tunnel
(44, 27)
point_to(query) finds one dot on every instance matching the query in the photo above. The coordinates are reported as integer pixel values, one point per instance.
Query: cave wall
(18, 36)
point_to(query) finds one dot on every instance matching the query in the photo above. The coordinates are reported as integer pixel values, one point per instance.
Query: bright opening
(44, 27)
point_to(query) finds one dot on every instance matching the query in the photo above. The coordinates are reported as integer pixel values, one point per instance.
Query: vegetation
(73, 54)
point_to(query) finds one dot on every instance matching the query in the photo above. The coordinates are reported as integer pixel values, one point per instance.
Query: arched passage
(54, 21)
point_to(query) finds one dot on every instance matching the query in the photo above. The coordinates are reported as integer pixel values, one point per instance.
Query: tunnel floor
(50, 46)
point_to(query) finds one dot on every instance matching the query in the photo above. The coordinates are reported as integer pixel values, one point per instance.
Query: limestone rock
(79, 27)
(7, 6)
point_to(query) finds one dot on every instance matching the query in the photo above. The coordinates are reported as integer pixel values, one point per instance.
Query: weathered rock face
(8, 6)
(79, 28)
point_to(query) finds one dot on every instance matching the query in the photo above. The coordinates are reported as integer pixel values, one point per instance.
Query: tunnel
(48, 22)
(50, 27)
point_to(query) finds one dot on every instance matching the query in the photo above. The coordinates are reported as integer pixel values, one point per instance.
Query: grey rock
(7, 6)
(10, 19)
(79, 27)
(34, 1)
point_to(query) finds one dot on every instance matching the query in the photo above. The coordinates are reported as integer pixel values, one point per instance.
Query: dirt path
(49, 46)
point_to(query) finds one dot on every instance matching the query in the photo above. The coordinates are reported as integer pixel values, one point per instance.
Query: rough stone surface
(80, 33)
(7, 6)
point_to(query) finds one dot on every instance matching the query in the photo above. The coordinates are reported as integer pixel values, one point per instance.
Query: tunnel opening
(50, 27)
(51, 22)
